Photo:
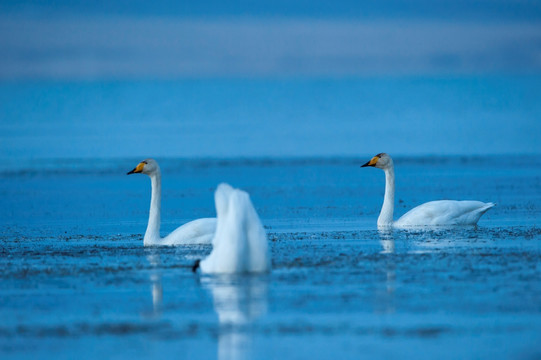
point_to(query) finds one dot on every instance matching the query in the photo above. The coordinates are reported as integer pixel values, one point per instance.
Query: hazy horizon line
(119, 47)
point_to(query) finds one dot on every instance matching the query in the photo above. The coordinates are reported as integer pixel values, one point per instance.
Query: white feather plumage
(240, 243)
(433, 213)
(200, 231)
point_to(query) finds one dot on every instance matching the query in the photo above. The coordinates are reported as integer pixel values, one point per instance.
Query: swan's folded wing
(445, 212)
(200, 231)
(230, 246)
(222, 198)
(257, 239)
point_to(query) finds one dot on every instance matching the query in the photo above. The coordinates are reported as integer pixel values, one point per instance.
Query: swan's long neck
(386, 215)
(153, 228)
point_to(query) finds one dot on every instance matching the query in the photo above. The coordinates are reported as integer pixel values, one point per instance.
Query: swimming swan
(442, 212)
(240, 243)
(199, 231)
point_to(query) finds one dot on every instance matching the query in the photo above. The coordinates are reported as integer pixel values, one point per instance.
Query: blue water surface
(227, 118)
(76, 280)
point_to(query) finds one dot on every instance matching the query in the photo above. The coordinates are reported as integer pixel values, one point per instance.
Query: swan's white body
(433, 213)
(445, 212)
(200, 231)
(240, 243)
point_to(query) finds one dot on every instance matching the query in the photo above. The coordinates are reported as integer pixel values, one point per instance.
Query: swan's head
(381, 161)
(148, 166)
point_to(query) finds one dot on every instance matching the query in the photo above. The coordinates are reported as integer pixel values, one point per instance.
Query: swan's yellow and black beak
(372, 161)
(138, 168)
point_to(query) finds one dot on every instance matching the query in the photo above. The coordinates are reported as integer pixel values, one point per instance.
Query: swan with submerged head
(199, 231)
(240, 243)
(433, 213)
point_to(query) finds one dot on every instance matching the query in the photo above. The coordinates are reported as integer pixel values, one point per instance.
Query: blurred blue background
(90, 88)
(111, 79)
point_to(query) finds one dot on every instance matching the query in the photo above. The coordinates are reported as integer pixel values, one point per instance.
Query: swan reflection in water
(156, 287)
(239, 300)
(386, 239)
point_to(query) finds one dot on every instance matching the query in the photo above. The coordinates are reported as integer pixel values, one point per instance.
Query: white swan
(442, 212)
(240, 243)
(199, 231)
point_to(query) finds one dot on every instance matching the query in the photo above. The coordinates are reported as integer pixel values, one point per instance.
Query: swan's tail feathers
(487, 207)
(196, 265)
(481, 211)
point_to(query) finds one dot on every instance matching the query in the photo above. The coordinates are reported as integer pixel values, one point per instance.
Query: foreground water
(77, 282)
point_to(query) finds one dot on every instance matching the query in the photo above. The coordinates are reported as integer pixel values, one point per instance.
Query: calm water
(270, 117)
(77, 282)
